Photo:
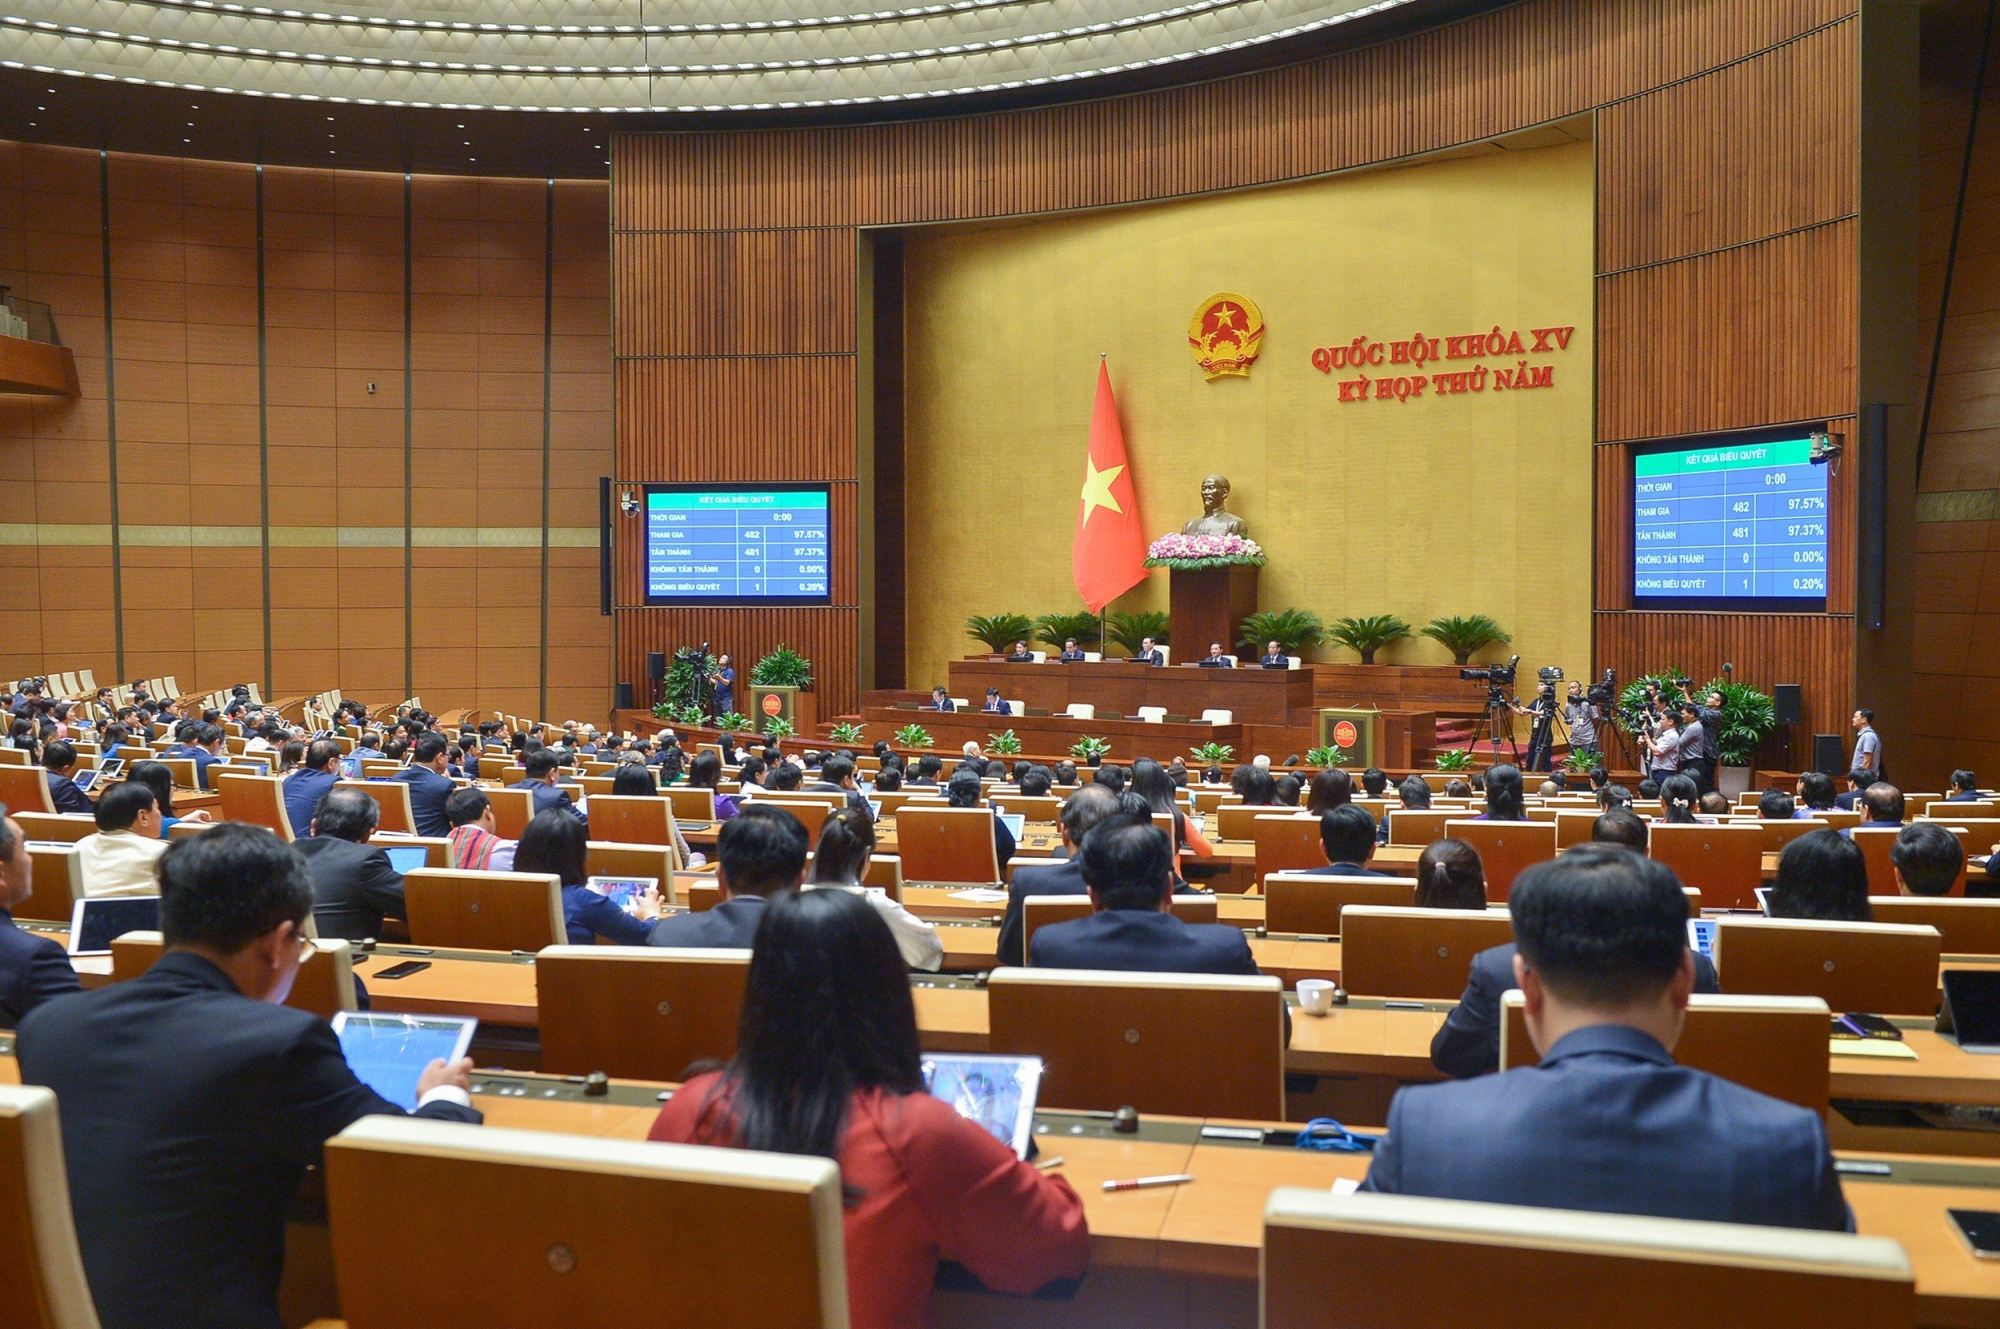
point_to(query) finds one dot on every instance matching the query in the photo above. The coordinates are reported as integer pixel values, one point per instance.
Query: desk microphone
(1292, 760)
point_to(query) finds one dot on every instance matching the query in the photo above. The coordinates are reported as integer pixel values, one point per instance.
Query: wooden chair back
(513, 809)
(1841, 819)
(1775, 1045)
(183, 770)
(811, 812)
(437, 848)
(325, 983)
(1286, 844)
(1725, 863)
(40, 1264)
(603, 858)
(593, 785)
(1574, 826)
(692, 803)
(948, 845)
(1967, 927)
(1038, 911)
(68, 827)
(1778, 834)
(257, 799)
(1234, 821)
(638, 1012)
(1876, 968)
(1506, 848)
(26, 789)
(1943, 809)
(58, 883)
(1207, 798)
(14, 757)
(1194, 1045)
(1417, 827)
(1877, 842)
(1302, 903)
(484, 911)
(1439, 1264)
(392, 798)
(631, 819)
(884, 872)
(497, 1219)
(1415, 953)
(1036, 808)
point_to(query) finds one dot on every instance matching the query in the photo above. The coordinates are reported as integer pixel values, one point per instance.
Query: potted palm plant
(1055, 629)
(1128, 630)
(1463, 635)
(1365, 636)
(1297, 631)
(999, 631)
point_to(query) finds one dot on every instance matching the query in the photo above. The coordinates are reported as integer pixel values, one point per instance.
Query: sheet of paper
(1872, 1047)
(980, 895)
(1345, 1185)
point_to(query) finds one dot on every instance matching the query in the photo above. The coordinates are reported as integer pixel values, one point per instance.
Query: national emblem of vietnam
(1226, 335)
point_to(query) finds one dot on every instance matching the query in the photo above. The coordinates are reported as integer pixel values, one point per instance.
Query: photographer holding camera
(1541, 733)
(1581, 714)
(1697, 748)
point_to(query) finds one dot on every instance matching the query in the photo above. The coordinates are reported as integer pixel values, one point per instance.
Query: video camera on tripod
(1499, 676)
(1604, 693)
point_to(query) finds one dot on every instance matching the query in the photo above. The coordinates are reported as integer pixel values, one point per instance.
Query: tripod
(1498, 725)
(1543, 732)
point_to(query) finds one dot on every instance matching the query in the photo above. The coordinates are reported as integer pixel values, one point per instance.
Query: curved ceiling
(612, 56)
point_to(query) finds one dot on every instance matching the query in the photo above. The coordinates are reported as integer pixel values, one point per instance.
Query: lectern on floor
(1209, 605)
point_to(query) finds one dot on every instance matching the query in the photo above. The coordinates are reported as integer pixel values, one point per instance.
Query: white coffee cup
(1315, 996)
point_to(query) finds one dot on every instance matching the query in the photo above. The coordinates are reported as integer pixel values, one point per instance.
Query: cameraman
(1697, 749)
(1663, 747)
(1581, 715)
(1541, 732)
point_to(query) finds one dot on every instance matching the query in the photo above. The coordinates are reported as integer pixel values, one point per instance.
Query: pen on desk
(1146, 1183)
(1045, 1164)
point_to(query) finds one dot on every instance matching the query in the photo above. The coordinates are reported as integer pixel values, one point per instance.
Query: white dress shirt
(119, 863)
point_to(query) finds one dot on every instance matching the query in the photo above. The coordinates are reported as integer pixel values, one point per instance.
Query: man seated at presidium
(1217, 659)
(941, 700)
(759, 852)
(1274, 657)
(1608, 1122)
(1148, 653)
(995, 705)
(1020, 654)
(193, 1100)
(1468, 1042)
(1071, 652)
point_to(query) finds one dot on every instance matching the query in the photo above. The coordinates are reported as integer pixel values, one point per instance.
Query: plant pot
(1733, 780)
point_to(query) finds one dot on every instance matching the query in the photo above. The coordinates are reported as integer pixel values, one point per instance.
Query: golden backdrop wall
(1441, 503)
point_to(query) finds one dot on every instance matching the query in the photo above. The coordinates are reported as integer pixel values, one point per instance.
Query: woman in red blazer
(827, 1064)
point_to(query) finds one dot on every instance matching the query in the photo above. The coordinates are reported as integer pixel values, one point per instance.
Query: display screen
(737, 545)
(1728, 522)
(996, 1093)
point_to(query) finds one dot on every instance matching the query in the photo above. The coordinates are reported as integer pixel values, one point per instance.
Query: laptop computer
(997, 1093)
(388, 1052)
(93, 922)
(1971, 1010)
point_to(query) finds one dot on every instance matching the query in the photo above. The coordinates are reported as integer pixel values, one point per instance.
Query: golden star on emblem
(1097, 488)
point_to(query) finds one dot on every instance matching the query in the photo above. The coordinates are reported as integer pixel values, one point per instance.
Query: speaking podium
(1209, 604)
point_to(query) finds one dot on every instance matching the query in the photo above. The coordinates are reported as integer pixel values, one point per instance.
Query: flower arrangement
(1178, 550)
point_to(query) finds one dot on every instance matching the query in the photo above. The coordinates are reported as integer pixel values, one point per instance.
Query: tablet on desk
(997, 1093)
(94, 922)
(84, 780)
(388, 1052)
(623, 891)
(109, 767)
(407, 858)
(1701, 937)
(1763, 894)
(1015, 822)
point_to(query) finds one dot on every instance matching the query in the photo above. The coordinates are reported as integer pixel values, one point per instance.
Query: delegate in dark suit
(354, 885)
(1064, 878)
(731, 923)
(1143, 941)
(32, 970)
(1609, 1123)
(428, 791)
(66, 796)
(1343, 870)
(548, 796)
(1148, 658)
(1468, 1043)
(190, 1112)
(303, 791)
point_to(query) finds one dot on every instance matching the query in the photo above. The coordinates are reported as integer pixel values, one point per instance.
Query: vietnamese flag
(1109, 555)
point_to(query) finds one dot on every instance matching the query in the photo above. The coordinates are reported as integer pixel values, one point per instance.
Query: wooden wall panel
(1727, 251)
(1755, 335)
(1749, 150)
(185, 270)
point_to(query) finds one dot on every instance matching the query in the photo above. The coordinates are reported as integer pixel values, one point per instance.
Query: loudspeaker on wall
(656, 665)
(1829, 756)
(624, 698)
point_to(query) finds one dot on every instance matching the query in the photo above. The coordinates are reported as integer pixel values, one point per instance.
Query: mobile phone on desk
(404, 970)
(1865, 1026)
(1980, 1229)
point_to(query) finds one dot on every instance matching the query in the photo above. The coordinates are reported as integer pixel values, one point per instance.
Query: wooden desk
(1253, 696)
(1188, 1255)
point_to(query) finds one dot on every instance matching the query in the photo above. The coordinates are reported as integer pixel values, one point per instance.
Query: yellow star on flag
(1097, 488)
